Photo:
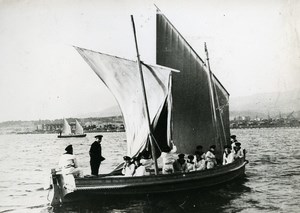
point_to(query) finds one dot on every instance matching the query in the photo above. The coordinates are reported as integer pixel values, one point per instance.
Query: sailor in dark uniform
(96, 155)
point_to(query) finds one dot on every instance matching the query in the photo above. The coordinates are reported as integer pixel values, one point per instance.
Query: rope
(155, 141)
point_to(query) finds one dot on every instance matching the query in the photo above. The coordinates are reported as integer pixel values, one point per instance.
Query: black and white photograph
(149, 106)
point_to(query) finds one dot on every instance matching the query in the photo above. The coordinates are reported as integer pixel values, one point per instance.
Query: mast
(211, 91)
(145, 98)
(218, 105)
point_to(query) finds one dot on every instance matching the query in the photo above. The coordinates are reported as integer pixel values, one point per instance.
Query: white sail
(66, 128)
(78, 128)
(121, 76)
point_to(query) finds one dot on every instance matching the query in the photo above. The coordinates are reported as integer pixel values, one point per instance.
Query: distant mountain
(108, 112)
(257, 105)
(267, 103)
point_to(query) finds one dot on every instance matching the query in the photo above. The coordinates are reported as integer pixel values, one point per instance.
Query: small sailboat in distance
(66, 131)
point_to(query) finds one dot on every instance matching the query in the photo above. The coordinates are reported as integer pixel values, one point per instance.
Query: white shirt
(239, 154)
(228, 159)
(190, 166)
(169, 157)
(128, 170)
(67, 161)
(199, 165)
(210, 159)
(140, 171)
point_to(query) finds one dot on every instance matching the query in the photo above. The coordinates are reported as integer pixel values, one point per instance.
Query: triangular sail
(66, 130)
(121, 76)
(192, 115)
(78, 128)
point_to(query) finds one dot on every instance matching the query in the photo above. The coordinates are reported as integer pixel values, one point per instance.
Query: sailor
(200, 163)
(146, 160)
(238, 153)
(233, 141)
(168, 159)
(180, 164)
(140, 169)
(68, 163)
(128, 168)
(228, 156)
(190, 163)
(96, 155)
(210, 157)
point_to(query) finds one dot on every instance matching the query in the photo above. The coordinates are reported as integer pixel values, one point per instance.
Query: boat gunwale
(121, 181)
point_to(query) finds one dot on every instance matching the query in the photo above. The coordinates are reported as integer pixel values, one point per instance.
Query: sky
(254, 47)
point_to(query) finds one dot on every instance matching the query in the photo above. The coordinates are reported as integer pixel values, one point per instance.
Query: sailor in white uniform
(68, 163)
(210, 157)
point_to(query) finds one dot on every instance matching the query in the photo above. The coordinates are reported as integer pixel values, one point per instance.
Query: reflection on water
(271, 183)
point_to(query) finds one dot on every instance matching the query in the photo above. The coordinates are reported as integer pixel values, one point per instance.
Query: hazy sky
(254, 47)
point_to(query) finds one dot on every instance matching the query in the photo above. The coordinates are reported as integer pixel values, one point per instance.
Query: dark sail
(192, 117)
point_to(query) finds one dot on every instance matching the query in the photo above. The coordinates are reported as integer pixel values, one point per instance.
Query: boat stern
(62, 184)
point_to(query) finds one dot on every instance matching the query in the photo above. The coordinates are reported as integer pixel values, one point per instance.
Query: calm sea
(272, 182)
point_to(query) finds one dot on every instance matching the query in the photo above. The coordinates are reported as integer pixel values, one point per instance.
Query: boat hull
(72, 136)
(97, 187)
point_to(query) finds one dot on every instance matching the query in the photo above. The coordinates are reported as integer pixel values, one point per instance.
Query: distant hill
(258, 105)
(267, 103)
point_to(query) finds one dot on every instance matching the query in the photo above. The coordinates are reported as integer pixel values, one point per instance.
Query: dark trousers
(95, 164)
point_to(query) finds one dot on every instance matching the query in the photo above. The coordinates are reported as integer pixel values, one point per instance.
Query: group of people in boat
(199, 161)
(142, 164)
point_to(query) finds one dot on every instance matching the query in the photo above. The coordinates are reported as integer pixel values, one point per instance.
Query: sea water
(272, 182)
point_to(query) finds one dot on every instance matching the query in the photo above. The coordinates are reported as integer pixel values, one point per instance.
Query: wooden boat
(67, 133)
(160, 106)
(119, 185)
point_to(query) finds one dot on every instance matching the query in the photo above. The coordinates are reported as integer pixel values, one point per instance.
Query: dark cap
(191, 157)
(213, 146)
(127, 158)
(181, 155)
(233, 136)
(98, 136)
(69, 148)
(237, 143)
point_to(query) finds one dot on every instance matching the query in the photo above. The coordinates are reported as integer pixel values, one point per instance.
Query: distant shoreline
(97, 131)
(40, 133)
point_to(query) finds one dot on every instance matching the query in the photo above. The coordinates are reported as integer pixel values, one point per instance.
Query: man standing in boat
(96, 155)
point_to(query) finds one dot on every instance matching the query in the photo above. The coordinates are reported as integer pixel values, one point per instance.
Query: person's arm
(75, 162)
(124, 169)
(208, 156)
(174, 149)
(224, 159)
